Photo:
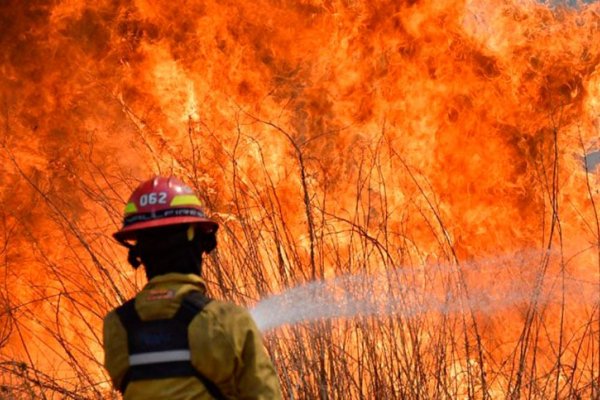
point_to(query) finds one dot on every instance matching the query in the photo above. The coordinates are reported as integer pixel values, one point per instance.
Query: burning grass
(424, 161)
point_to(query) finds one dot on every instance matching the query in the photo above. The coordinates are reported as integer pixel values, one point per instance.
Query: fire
(328, 138)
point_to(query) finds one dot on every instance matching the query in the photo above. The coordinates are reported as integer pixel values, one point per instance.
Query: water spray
(407, 292)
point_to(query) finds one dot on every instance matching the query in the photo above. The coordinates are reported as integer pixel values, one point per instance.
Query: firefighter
(172, 341)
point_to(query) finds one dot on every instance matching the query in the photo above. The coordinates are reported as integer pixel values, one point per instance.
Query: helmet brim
(130, 232)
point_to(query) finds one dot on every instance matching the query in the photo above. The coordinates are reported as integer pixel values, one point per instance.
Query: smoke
(568, 3)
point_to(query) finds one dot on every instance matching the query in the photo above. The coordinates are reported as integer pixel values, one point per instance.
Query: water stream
(492, 284)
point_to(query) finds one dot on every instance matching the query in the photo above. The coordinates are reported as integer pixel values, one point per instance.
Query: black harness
(160, 348)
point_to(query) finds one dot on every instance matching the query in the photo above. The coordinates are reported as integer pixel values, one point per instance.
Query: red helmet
(162, 202)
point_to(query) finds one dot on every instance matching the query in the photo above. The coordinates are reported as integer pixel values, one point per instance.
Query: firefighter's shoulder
(226, 317)
(112, 323)
(115, 347)
(217, 337)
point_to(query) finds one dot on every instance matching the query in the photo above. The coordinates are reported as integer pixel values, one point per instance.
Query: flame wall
(327, 137)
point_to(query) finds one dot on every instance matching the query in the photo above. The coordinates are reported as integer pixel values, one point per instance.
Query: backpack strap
(157, 358)
(192, 304)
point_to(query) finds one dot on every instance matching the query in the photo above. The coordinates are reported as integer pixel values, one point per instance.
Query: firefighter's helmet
(161, 202)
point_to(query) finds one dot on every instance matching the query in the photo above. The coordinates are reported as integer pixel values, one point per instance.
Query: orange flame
(327, 137)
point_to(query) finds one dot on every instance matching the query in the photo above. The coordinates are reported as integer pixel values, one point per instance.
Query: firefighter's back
(219, 355)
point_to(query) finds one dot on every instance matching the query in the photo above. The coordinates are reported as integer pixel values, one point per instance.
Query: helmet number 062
(153, 198)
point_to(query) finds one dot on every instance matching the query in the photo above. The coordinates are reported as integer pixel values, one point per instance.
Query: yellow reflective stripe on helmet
(185, 200)
(130, 208)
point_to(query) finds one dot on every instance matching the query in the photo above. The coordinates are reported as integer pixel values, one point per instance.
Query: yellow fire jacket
(225, 345)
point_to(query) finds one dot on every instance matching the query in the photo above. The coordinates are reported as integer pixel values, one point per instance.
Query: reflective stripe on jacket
(225, 345)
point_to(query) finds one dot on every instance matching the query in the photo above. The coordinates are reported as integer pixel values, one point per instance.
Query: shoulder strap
(192, 304)
(127, 313)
